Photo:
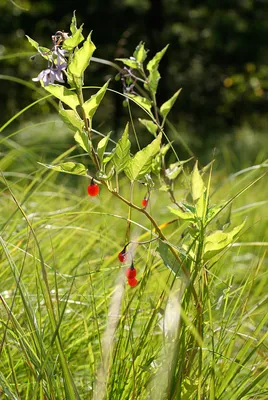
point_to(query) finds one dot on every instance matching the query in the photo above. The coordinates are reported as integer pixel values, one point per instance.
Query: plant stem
(163, 238)
(93, 154)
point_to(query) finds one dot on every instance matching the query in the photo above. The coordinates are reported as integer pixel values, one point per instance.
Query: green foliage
(68, 167)
(102, 147)
(168, 258)
(141, 101)
(71, 118)
(81, 58)
(154, 74)
(81, 137)
(121, 155)
(91, 105)
(150, 125)
(65, 95)
(71, 42)
(141, 163)
(167, 106)
(72, 326)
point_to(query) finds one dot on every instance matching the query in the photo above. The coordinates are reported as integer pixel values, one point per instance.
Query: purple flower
(53, 73)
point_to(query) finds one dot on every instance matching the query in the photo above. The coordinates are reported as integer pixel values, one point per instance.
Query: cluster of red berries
(131, 271)
(131, 276)
(93, 190)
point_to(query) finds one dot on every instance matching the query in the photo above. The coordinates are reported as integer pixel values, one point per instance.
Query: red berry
(122, 256)
(144, 203)
(131, 273)
(93, 189)
(132, 282)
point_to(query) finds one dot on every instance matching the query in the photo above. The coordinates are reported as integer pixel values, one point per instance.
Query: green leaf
(65, 95)
(168, 258)
(92, 104)
(167, 106)
(73, 26)
(140, 53)
(197, 183)
(141, 101)
(154, 63)
(71, 42)
(33, 42)
(71, 118)
(102, 146)
(43, 51)
(108, 157)
(105, 176)
(153, 80)
(82, 57)
(186, 215)
(150, 125)
(197, 190)
(82, 139)
(68, 167)
(141, 163)
(121, 154)
(157, 164)
(174, 170)
(130, 63)
(218, 240)
(154, 75)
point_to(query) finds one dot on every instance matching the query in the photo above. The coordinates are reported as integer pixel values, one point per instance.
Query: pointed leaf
(82, 57)
(186, 215)
(167, 106)
(68, 167)
(197, 189)
(154, 75)
(218, 240)
(43, 51)
(150, 125)
(140, 53)
(141, 101)
(152, 83)
(156, 164)
(82, 139)
(174, 170)
(154, 63)
(141, 163)
(130, 63)
(121, 155)
(168, 258)
(102, 146)
(71, 42)
(33, 42)
(71, 118)
(73, 26)
(197, 184)
(65, 95)
(91, 105)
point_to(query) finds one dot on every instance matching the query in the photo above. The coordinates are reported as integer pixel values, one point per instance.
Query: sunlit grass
(120, 342)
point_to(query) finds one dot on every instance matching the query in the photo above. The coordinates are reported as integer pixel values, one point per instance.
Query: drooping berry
(122, 256)
(93, 189)
(132, 282)
(131, 273)
(144, 202)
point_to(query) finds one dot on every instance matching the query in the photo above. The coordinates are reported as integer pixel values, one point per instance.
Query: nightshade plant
(190, 258)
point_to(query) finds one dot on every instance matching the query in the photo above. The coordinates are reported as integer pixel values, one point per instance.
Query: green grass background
(118, 342)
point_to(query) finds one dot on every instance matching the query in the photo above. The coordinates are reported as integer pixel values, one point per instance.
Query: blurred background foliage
(218, 54)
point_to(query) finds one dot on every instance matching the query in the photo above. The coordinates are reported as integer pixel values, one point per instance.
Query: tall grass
(72, 328)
